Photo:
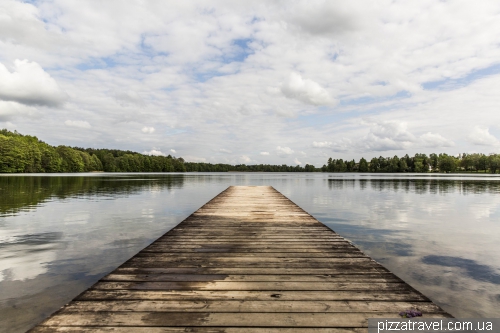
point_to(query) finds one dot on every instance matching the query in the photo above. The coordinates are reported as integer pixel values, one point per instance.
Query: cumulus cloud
(342, 145)
(195, 159)
(148, 130)
(173, 151)
(306, 91)
(435, 140)
(154, 152)
(10, 110)
(327, 18)
(77, 123)
(225, 73)
(283, 151)
(129, 97)
(245, 159)
(482, 137)
(322, 144)
(387, 135)
(264, 153)
(29, 84)
(225, 151)
(8, 125)
(296, 161)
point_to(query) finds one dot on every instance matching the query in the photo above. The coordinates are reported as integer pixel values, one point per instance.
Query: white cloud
(173, 151)
(148, 129)
(226, 151)
(283, 151)
(29, 84)
(322, 144)
(343, 145)
(128, 98)
(10, 110)
(254, 74)
(328, 19)
(8, 125)
(195, 159)
(245, 159)
(77, 123)
(387, 135)
(296, 161)
(264, 153)
(435, 140)
(306, 91)
(482, 137)
(154, 152)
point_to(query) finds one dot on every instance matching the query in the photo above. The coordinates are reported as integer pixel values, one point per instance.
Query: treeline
(208, 167)
(418, 163)
(25, 153)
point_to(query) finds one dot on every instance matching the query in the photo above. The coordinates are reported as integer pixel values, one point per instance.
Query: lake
(60, 233)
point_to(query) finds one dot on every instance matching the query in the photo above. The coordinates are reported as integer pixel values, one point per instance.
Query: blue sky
(276, 82)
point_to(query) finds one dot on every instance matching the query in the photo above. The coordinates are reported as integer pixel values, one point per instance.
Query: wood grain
(249, 260)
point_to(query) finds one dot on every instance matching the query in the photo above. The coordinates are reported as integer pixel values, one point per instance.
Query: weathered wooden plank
(252, 240)
(250, 285)
(321, 246)
(338, 266)
(211, 255)
(242, 295)
(373, 278)
(238, 234)
(228, 226)
(223, 319)
(260, 249)
(241, 222)
(184, 329)
(341, 270)
(191, 224)
(252, 260)
(249, 306)
(347, 248)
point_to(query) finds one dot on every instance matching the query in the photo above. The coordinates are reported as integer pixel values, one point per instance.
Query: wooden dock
(249, 260)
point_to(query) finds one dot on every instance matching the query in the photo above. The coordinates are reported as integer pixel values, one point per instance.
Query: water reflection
(58, 235)
(22, 193)
(439, 234)
(472, 268)
(418, 186)
(31, 239)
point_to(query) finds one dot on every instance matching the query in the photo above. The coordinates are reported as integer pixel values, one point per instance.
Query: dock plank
(249, 260)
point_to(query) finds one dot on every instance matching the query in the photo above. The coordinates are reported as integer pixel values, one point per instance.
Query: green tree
(71, 159)
(51, 161)
(494, 163)
(374, 165)
(13, 156)
(363, 165)
(402, 166)
(482, 162)
(447, 163)
(340, 166)
(434, 161)
(420, 167)
(393, 164)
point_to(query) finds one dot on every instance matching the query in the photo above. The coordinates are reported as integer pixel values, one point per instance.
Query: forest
(27, 154)
(419, 163)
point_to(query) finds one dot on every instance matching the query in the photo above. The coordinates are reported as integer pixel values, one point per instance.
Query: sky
(272, 82)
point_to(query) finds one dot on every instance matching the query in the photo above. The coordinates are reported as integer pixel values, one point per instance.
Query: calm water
(60, 234)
